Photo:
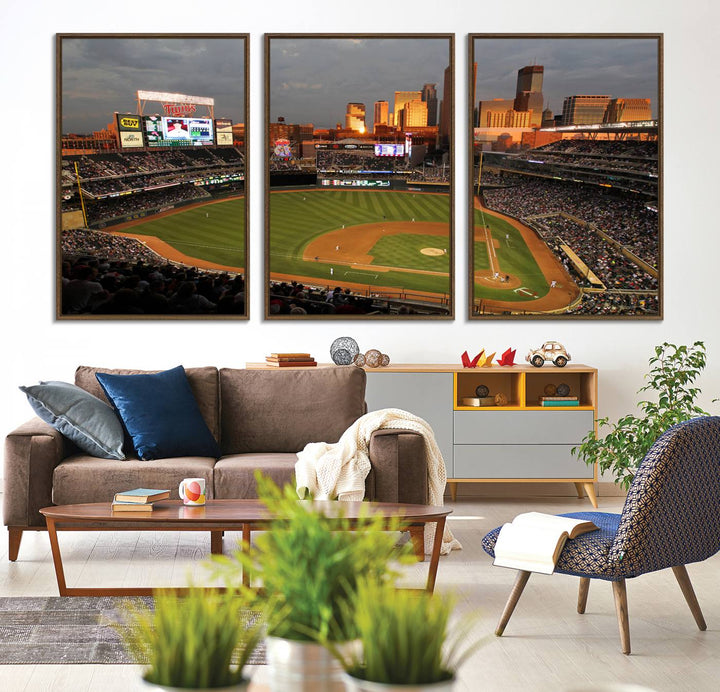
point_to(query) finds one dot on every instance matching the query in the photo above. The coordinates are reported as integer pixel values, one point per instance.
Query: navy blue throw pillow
(160, 413)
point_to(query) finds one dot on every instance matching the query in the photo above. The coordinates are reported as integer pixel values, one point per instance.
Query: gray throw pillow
(83, 418)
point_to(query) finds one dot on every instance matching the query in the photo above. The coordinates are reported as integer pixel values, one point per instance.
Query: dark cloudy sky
(622, 68)
(313, 79)
(102, 75)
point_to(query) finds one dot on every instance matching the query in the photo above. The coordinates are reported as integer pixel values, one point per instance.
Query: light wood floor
(547, 646)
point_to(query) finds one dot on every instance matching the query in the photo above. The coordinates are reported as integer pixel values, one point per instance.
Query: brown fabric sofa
(260, 418)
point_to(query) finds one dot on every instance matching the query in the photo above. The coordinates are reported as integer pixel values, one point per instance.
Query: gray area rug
(69, 630)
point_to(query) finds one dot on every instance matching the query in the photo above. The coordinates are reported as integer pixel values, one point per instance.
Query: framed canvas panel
(565, 173)
(359, 176)
(152, 172)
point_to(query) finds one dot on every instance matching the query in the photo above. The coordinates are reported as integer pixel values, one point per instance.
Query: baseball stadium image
(359, 217)
(152, 213)
(566, 208)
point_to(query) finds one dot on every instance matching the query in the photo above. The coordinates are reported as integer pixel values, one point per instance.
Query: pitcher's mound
(432, 251)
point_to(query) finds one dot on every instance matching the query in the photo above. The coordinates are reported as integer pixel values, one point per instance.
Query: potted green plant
(405, 642)
(310, 565)
(198, 641)
(673, 372)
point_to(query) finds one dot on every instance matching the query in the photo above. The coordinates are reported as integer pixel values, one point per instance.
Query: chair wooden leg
(515, 594)
(583, 594)
(14, 538)
(620, 594)
(684, 580)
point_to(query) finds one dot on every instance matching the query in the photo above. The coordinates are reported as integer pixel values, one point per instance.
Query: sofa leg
(417, 536)
(14, 538)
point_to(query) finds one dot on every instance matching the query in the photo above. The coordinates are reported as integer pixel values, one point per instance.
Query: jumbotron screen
(389, 150)
(173, 132)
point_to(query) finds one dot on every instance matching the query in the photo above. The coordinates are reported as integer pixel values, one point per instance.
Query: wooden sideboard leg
(580, 490)
(417, 536)
(590, 490)
(14, 538)
(453, 491)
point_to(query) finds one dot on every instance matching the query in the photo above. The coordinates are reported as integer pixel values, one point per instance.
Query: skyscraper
(414, 114)
(429, 95)
(355, 117)
(584, 109)
(446, 110)
(528, 92)
(401, 98)
(627, 110)
(380, 113)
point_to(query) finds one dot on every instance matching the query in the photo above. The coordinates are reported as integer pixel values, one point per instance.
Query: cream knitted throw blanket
(329, 471)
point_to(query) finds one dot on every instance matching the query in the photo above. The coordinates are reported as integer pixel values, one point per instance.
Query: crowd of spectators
(609, 303)
(112, 275)
(626, 148)
(626, 219)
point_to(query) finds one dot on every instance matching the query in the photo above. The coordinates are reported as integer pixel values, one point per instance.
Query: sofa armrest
(399, 472)
(32, 452)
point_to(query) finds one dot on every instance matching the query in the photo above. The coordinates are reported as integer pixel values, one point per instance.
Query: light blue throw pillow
(83, 418)
(160, 413)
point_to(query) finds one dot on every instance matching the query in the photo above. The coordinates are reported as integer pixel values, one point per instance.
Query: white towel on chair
(329, 471)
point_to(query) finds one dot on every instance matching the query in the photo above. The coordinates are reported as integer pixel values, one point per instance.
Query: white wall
(37, 347)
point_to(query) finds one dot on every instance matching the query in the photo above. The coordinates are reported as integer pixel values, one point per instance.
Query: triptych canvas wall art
(564, 167)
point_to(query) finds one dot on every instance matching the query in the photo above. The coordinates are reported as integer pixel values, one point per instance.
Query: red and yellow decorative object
(467, 362)
(488, 362)
(508, 357)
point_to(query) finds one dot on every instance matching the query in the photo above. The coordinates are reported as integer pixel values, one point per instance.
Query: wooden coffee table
(218, 516)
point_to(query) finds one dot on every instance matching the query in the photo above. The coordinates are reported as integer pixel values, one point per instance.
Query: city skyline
(621, 67)
(309, 85)
(102, 75)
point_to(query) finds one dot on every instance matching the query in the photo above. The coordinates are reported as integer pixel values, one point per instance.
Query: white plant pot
(239, 687)
(295, 666)
(357, 685)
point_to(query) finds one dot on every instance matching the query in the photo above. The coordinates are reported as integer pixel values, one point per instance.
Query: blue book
(142, 496)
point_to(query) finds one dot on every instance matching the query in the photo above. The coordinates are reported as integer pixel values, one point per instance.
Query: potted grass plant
(405, 641)
(310, 565)
(198, 641)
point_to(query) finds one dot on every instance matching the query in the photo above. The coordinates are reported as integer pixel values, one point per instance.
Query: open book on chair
(533, 541)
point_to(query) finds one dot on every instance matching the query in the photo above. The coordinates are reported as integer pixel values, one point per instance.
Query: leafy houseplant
(673, 372)
(405, 641)
(189, 642)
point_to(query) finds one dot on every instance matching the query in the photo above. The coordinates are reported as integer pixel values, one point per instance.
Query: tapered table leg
(520, 581)
(57, 558)
(435, 556)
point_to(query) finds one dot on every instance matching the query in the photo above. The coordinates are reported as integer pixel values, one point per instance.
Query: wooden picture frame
(152, 173)
(357, 226)
(565, 176)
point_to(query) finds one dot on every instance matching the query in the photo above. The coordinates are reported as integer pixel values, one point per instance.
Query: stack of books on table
(290, 360)
(138, 500)
(559, 401)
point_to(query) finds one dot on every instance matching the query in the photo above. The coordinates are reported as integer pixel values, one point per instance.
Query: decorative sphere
(482, 391)
(500, 399)
(385, 360)
(550, 390)
(373, 358)
(359, 360)
(346, 344)
(563, 389)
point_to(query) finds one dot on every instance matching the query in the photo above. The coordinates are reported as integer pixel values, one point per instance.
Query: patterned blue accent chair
(671, 518)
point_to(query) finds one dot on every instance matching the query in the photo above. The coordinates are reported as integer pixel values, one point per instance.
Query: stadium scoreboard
(136, 131)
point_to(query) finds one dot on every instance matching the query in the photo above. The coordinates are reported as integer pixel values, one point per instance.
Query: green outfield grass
(404, 251)
(514, 258)
(298, 217)
(211, 232)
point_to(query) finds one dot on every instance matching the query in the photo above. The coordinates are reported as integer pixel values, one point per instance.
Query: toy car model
(551, 350)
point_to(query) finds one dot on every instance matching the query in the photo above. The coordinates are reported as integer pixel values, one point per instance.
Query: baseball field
(365, 237)
(514, 269)
(204, 235)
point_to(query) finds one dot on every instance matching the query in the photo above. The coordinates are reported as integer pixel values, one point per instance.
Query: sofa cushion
(83, 418)
(81, 478)
(160, 413)
(203, 382)
(235, 475)
(281, 411)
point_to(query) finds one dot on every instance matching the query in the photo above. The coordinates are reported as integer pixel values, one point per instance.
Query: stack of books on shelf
(559, 401)
(290, 360)
(138, 500)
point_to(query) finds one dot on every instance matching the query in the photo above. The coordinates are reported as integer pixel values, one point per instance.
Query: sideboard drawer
(519, 461)
(522, 427)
